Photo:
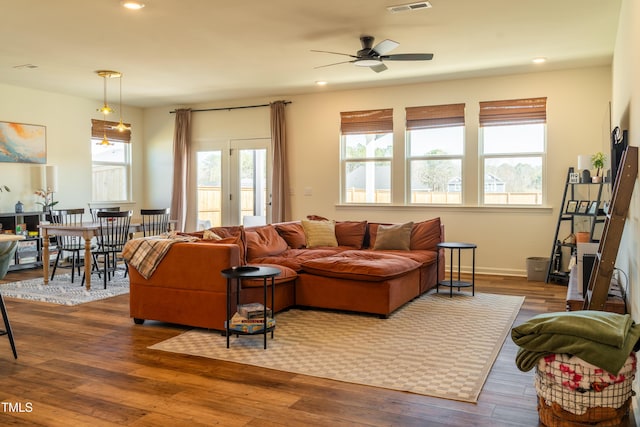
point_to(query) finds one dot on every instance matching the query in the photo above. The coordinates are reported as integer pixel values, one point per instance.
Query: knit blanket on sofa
(145, 253)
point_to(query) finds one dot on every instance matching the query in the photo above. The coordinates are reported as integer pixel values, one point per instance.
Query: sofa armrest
(192, 265)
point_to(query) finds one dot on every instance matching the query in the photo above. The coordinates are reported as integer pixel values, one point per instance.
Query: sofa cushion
(426, 235)
(397, 236)
(293, 258)
(264, 241)
(286, 275)
(320, 233)
(351, 233)
(361, 265)
(293, 234)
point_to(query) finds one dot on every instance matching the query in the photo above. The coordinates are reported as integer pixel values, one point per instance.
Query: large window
(111, 162)
(513, 149)
(435, 149)
(367, 154)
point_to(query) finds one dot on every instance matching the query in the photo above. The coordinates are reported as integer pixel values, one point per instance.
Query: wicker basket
(572, 392)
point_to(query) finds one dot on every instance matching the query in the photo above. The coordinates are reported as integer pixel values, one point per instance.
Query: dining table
(87, 231)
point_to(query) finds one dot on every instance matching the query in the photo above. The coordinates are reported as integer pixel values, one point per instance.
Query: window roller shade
(434, 116)
(98, 131)
(513, 112)
(366, 122)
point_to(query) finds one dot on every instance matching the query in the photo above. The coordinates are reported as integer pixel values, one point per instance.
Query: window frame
(101, 129)
(526, 111)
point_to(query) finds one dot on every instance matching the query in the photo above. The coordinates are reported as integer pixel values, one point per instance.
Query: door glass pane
(253, 185)
(209, 189)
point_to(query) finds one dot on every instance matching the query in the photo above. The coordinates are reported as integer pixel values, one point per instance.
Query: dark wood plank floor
(89, 365)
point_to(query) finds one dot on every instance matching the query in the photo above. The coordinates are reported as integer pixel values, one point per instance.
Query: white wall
(578, 123)
(625, 113)
(68, 128)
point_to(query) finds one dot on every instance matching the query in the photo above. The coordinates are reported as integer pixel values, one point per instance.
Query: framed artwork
(583, 206)
(593, 208)
(574, 178)
(572, 205)
(23, 143)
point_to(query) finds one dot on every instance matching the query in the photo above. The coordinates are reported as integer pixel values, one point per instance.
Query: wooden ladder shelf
(605, 260)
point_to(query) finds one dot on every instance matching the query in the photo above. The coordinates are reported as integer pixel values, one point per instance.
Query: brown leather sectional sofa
(353, 274)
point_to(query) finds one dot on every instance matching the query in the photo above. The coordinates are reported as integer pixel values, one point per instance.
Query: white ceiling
(192, 51)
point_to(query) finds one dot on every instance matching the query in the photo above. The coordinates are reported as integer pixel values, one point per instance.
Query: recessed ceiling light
(539, 60)
(321, 83)
(130, 4)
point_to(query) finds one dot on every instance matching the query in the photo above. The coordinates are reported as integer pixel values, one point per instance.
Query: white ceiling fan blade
(385, 46)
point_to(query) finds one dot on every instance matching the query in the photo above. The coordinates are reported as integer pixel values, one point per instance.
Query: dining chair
(113, 234)
(94, 211)
(154, 221)
(73, 244)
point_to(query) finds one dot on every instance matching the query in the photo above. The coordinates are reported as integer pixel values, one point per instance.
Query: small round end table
(451, 283)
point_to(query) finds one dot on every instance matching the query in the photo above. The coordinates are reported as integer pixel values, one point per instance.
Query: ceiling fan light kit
(374, 57)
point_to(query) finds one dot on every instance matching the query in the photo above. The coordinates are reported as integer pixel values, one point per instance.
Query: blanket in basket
(600, 338)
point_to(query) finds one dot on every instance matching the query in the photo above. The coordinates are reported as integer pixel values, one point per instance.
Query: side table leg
(228, 310)
(473, 274)
(7, 326)
(264, 326)
(451, 273)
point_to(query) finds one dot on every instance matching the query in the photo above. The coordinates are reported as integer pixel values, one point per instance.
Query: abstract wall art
(23, 143)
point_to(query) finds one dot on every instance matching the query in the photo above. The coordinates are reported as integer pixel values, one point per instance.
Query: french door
(232, 183)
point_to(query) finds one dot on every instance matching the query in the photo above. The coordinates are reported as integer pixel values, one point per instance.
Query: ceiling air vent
(409, 7)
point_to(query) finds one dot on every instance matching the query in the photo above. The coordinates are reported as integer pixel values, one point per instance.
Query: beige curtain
(181, 154)
(280, 203)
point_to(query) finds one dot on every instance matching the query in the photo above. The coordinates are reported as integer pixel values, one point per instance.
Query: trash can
(537, 268)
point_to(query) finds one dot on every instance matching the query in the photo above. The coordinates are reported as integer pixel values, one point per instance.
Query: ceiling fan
(373, 57)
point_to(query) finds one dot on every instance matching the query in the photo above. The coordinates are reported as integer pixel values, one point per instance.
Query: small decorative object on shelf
(47, 202)
(597, 160)
(19, 207)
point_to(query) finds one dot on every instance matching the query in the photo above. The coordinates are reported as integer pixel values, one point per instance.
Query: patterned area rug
(435, 345)
(60, 290)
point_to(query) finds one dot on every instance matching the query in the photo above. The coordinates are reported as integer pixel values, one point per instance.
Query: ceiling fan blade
(385, 46)
(335, 63)
(379, 68)
(408, 57)
(335, 53)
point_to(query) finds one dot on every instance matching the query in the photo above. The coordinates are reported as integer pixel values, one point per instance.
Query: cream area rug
(61, 291)
(435, 345)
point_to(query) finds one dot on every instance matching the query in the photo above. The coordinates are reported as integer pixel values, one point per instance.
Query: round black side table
(451, 283)
(250, 272)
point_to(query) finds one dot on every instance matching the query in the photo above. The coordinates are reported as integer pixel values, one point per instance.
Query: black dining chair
(113, 234)
(73, 244)
(94, 211)
(154, 221)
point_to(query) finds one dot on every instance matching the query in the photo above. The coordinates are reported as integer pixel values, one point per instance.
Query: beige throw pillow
(320, 233)
(210, 235)
(396, 236)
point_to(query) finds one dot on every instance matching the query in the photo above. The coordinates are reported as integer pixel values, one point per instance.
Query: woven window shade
(435, 116)
(513, 112)
(369, 121)
(98, 131)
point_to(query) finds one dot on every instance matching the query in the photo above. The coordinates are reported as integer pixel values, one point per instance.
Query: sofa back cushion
(320, 233)
(231, 234)
(426, 235)
(293, 234)
(351, 233)
(264, 241)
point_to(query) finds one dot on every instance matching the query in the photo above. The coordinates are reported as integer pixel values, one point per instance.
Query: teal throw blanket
(601, 338)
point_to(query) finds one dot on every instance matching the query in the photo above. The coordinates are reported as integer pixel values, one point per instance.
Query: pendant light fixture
(107, 74)
(104, 141)
(121, 127)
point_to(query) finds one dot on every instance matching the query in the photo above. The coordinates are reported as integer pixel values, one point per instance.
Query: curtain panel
(280, 203)
(181, 154)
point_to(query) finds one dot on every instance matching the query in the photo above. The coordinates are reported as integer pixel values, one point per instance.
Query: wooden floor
(89, 365)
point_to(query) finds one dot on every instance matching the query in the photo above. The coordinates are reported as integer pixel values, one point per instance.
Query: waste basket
(537, 268)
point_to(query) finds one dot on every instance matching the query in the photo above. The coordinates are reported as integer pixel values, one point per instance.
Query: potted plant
(597, 160)
(47, 199)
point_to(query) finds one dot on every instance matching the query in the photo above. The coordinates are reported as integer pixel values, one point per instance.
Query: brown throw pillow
(397, 237)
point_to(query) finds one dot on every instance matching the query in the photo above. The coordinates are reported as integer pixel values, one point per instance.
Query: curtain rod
(230, 108)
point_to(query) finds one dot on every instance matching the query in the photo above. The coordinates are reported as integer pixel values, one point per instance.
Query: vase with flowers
(597, 160)
(47, 202)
